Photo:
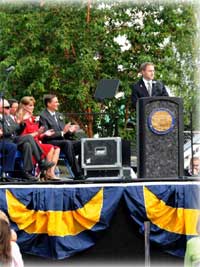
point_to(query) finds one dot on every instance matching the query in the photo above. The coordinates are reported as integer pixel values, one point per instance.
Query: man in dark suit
(50, 118)
(194, 168)
(8, 151)
(25, 143)
(147, 86)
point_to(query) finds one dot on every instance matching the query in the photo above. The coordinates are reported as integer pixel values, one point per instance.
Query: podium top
(157, 98)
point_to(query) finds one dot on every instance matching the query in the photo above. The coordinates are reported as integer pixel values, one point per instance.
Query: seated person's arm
(70, 130)
(56, 134)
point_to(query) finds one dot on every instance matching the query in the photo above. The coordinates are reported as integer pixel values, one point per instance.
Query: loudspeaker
(105, 157)
(101, 153)
(106, 89)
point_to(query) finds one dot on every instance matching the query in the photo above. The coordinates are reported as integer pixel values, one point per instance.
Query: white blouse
(16, 255)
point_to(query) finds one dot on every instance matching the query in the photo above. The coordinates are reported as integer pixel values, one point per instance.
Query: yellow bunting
(175, 220)
(55, 223)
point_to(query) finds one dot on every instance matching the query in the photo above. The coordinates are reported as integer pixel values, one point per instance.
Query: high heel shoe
(52, 178)
(45, 165)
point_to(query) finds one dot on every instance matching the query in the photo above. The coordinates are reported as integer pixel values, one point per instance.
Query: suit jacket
(11, 129)
(139, 90)
(49, 122)
(187, 172)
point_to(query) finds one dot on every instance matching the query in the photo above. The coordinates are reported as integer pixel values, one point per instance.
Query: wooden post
(90, 122)
(147, 243)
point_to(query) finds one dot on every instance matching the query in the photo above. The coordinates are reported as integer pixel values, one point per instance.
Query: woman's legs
(53, 156)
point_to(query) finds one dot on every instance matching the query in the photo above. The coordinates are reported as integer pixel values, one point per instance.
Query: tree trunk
(89, 122)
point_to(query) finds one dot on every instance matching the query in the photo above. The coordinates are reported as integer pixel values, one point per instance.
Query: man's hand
(196, 171)
(67, 128)
(41, 130)
(49, 132)
(74, 128)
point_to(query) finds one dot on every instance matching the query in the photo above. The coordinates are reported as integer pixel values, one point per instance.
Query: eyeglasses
(6, 107)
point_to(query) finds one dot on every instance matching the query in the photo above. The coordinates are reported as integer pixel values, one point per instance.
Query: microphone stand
(3, 173)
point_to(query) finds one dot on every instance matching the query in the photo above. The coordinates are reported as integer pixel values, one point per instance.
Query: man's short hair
(144, 65)
(194, 159)
(12, 101)
(4, 103)
(48, 98)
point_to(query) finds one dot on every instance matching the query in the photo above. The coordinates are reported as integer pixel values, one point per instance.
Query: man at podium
(147, 86)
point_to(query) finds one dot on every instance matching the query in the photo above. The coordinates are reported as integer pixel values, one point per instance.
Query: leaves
(55, 50)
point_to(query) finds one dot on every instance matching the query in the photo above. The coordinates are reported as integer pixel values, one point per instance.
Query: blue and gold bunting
(59, 222)
(173, 211)
(63, 218)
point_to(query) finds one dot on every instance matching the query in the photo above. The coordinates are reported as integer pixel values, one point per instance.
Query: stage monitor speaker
(106, 88)
(105, 157)
(101, 153)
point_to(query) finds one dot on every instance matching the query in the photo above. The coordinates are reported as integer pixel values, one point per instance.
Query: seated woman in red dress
(50, 152)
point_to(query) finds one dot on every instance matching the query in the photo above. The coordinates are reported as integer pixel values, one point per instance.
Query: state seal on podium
(161, 121)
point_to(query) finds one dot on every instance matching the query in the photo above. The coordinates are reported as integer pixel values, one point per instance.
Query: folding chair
(63, 157)
(17, 157)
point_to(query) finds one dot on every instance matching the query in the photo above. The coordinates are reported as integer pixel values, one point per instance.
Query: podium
(160, 137)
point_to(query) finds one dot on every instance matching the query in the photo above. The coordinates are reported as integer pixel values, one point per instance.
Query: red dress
(31, 127)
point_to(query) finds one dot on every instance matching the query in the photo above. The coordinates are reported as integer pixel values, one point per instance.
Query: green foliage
(55, 50)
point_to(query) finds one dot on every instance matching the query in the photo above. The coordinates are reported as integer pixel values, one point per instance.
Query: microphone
(9, 69)
(158, 85)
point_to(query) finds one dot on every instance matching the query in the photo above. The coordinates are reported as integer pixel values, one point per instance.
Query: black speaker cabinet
(101, 152)
(103, 156)
(160, 137)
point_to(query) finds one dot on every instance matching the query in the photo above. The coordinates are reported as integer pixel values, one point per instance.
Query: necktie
(54, 116)
(6, 119)
(149, 88)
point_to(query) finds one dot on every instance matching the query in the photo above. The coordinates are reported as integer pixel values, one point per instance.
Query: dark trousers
(27, 145)
(70, 149)
(8, 156)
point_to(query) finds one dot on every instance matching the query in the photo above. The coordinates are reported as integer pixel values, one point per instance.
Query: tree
(67, 48)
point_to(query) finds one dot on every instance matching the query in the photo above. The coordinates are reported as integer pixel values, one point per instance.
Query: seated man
(194, 168)
(50, 118)
(26, 144)
(8, 151)
(13, 107)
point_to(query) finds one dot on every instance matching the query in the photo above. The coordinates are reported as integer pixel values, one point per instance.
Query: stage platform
(69, 218)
